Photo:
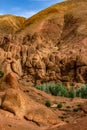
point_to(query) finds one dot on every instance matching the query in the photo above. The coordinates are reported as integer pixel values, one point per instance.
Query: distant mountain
(10, 23)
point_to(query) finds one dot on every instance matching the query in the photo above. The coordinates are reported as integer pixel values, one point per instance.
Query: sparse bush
(59, 105)
(47, 103)
(68, 107)
(1, 74)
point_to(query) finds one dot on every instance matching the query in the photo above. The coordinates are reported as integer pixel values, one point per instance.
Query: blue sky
(24, 8)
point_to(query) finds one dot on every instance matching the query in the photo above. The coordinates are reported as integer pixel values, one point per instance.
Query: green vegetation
(48, 104)
(82, 92)
(59, 105)
(1, 74)
(54, 89)
(72, 92)
(61, 90)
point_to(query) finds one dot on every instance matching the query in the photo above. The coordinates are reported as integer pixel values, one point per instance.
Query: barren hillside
(9, 24)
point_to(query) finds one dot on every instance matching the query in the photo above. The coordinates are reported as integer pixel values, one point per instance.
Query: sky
(25, 8)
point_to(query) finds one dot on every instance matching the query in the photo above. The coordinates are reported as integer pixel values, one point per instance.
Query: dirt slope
(23, 108)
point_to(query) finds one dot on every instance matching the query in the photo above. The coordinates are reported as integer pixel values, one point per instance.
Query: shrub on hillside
(72, 92)
(61, 90)
(59, 105)
(54, 89)
(1, 74)
(82, 92)
(47, 103)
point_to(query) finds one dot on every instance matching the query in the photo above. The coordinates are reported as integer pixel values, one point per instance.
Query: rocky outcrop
(22, 106)
(49, 47)
(9, 81)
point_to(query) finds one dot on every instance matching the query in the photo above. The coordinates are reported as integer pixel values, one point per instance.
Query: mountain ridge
(55, 34)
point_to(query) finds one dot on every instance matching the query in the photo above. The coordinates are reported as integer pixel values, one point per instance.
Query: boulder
(9, 81)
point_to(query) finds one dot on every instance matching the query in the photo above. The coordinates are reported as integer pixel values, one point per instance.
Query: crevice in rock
(32, 121)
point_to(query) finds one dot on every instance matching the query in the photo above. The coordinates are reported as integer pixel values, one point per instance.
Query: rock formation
(15, 101)
(48, 47)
